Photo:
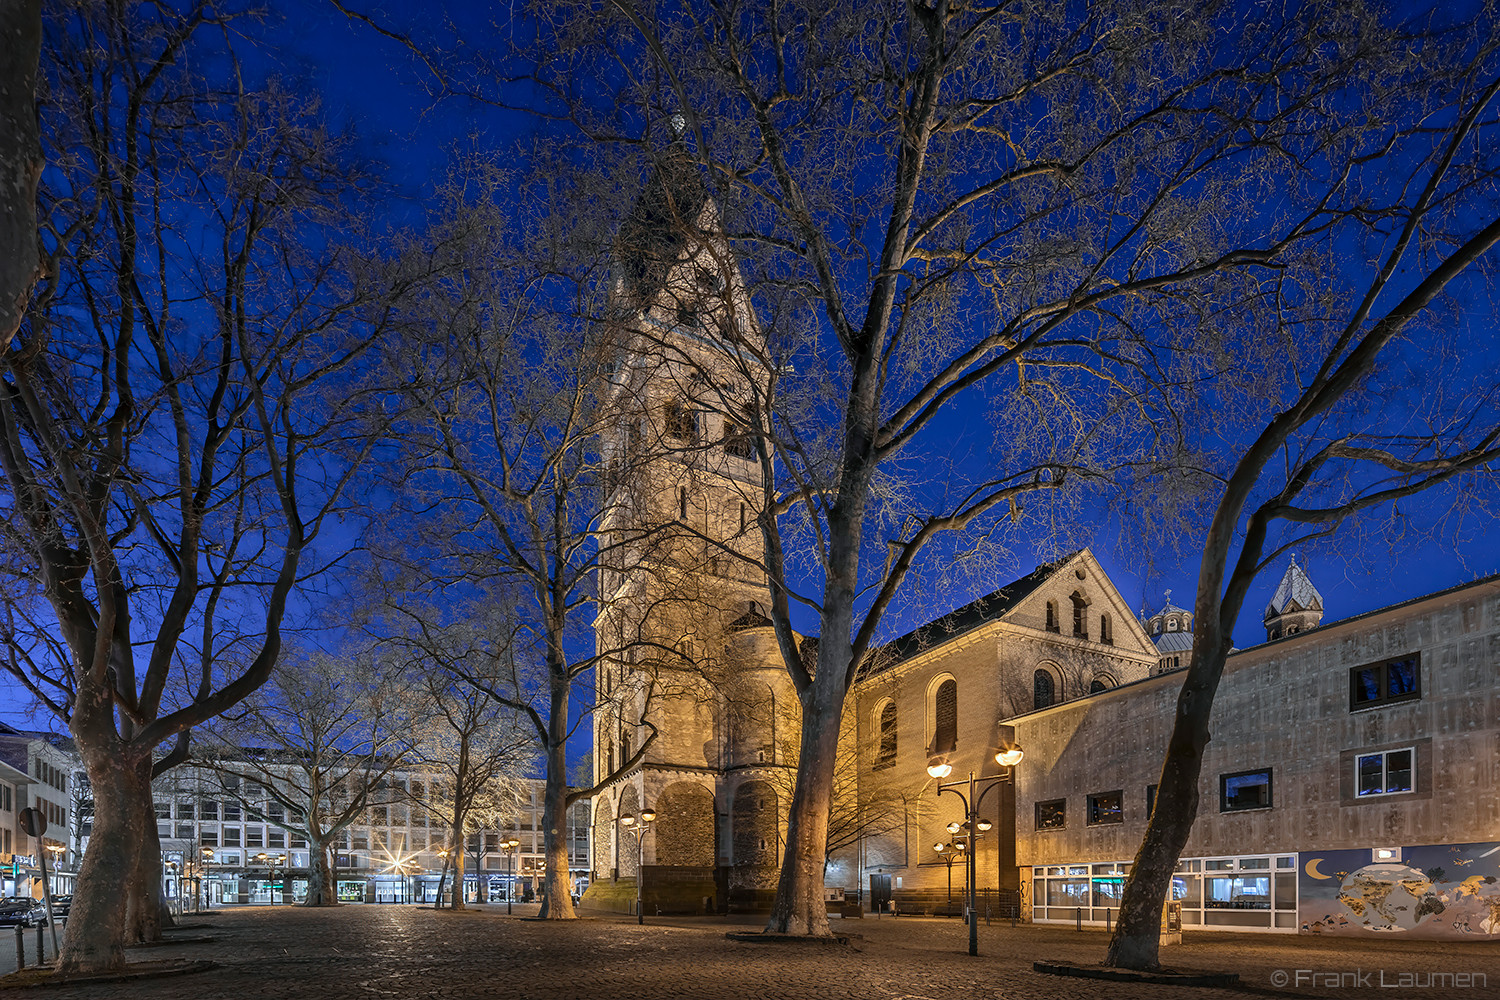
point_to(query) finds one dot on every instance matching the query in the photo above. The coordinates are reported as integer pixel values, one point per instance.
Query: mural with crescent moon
(1436, 891)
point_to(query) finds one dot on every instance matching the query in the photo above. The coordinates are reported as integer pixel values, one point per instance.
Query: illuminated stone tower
(685, 651)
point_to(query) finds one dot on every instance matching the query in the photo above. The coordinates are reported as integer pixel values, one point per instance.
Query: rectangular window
(210, 810)
(184, 810)
(254, 836)
(276, 838)
(184, 831)
(1245, 790)
(682, 422)
(208, 838)
(1052, 815)
(1385, 683)
(1389, 772)
(1104, 808)
(361, 841)
(231, 836)
(382, 816)
(231, 810)
(299, 840)
(737, 442)
(163, 810)
(276, 812)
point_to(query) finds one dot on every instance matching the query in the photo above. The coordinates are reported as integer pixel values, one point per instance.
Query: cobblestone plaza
(411, 952)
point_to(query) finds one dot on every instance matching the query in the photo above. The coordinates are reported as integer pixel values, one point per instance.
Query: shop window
(1105, 808)
(1389, 772)
(1385, 683)
(1043, 689)
(1245, 790)
(1052, 815)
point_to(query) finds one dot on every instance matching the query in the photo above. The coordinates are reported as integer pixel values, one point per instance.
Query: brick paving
(409, 952)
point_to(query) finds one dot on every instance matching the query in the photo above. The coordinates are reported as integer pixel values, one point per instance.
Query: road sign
(33, 821)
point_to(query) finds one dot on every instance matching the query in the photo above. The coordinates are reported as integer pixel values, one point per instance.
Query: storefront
(1255, 893)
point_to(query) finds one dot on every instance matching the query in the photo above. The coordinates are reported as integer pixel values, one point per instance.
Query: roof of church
(967, 618)
(660, 226)
(1296, 593)
(1173, 642)
(1169, 608)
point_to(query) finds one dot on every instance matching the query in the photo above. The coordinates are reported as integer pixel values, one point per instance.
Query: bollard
(41, 949)
(1078, 918)
(1012, 919)
(20, 947)
(1106, 921)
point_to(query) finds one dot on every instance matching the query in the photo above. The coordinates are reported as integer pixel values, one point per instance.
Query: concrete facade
(1289, 708)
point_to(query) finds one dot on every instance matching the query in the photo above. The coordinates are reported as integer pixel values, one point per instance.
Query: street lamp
(56, 850)
(631, 825)
(509, 847)
(1008, 757)
(207, 854)
(949, 853)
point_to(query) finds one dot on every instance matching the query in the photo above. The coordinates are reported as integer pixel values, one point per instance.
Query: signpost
(34, 822)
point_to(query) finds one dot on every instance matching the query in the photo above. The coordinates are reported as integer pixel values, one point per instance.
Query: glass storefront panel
(1238, 892)
(1068, 892)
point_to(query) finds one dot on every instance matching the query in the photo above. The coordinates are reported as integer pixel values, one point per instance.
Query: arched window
(682, 423)
(945, 717)
(1080, 619)
(1052, 622)
(1101, 683)
(1171, 624)
(887, 752)
(1044, 690)
(1106, 633)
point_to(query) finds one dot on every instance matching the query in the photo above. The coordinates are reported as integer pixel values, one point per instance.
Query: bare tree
(20, 162)
(171, 442)
(1385, 401)
(326, 740)
(952, 213)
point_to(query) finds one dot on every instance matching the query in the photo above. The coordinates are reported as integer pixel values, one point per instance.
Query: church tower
(687, 660)
(1295, 607)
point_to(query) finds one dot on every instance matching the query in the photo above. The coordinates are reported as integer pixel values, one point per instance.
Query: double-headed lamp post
(509, 846)
(638, 827)
(208, 857)
(1008, 757)
(951, 852)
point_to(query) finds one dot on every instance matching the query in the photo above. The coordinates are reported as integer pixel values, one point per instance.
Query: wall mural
(1436, 891)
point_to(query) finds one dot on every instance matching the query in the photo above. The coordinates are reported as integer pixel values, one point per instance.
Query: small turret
(1295, 607)
(1171, 629)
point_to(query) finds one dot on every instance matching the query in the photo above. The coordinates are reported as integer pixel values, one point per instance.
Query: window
(361, 841)
(945, 717)
(1097, 684)
(210, 809)
(254, 836)
(682, 502)
(1106, 633)
(1150, 800)
(1385, 683)
(232, 836)
(163, 810)
(737, 442)
(1105, 808)
(1044, 690)
(1080, 618)
(1389, 772)
(382, 816)
(276, 838)
(276, 812)
(184, 831)
(1171, 624)
(1052, 623)
(208, 838)
(1052, 815)
(184, 810)
(299, 840)
(1245, 790)
(887, 754)
(232, 783)
(681, 422)
(231, 810)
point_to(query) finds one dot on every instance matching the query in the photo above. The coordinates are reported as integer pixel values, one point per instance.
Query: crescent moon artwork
(1312, 869)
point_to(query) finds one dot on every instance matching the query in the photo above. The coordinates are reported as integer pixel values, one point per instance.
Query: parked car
(22, 910)
(60, 906)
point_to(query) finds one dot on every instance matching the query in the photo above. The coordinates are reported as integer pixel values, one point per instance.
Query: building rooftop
(1296, 593)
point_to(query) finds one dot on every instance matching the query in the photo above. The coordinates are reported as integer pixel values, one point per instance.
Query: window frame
(1270, 803)
(681, 421)
(1384, 755)
(1052, 698)
(886, 750)
(1090, 805)
(1062, 813)
(1383, 697)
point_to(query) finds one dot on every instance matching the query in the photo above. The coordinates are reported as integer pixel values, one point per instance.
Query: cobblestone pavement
(408, 952)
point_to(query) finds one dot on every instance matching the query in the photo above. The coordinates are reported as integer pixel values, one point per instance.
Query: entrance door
(880, 893)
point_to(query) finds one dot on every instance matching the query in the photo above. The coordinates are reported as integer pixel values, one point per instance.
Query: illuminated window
(1245, 790)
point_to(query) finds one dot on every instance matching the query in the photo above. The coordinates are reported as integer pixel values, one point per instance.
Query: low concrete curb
(40, 978)
(854, 942)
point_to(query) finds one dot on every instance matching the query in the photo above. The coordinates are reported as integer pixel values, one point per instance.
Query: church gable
(1077, 600)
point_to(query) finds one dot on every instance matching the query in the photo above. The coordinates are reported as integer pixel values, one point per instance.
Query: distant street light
(628, 821)
(509, 847)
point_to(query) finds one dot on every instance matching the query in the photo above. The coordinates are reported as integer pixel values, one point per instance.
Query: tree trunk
(799, 907)
(20, 160)
(557, 892)
(1136, 942)
(95, 941)
(146, 905)
(457, 892)
(321, 889)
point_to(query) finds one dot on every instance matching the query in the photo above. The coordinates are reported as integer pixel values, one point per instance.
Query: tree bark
(21, 160)
(146, 903)
(799, 907)
(557, 892)
(96, 925)
(321, 890)
(456, 893)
